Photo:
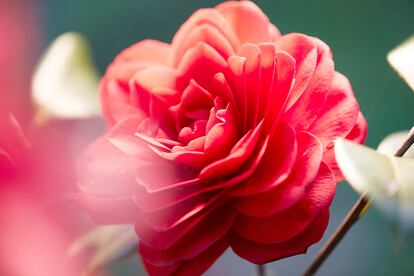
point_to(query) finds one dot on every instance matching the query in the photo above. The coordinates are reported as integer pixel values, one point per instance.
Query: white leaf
(402, 60)
(365, 169)
(387, 179)
(392, 142)
(65, 83)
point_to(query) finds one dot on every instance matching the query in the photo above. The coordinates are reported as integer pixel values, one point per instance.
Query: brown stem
(261, 270)
(351, 218)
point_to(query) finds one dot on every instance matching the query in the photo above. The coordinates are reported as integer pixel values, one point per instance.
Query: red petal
(193, 98)
(254, 30)
(222, 136)
(251, 82)
(280, 90)
(304, 112)
(174, 208)
(275, 166)
(235, 79)
(359, 131)
(205, 17)
(303, 49)
(264, 253)
(238, 156)
(290, 223)
(152, 51)
(200, 63)
(114, 87)
(153, 85)
(193, 243)
(292, 189)
(204, 33)
(195, 266)
(339, 113)
(357, 134)
(267, 74)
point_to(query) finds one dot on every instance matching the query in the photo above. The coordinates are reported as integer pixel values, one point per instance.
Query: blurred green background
(360, 34)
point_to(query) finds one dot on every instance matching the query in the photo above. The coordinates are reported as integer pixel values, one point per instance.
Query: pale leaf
(387, 179)
(402, 60)
(65, 83)
(392, 142)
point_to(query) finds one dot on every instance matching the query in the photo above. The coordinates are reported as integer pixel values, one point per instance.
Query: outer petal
(357, 134)
(263, 253)
(303, 49)
(304, 112)
(339, 114)
(195, 266)
(199, 239)
(254, 30)
(290, 223)
(215, 22)
(152, 51)
(114, 87)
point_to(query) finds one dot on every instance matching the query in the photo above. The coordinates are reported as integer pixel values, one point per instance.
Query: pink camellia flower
(222, 138)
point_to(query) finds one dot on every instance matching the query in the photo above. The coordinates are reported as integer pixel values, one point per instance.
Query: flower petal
(254, 30)
(288, 224)
(292, 189)
(264, 253)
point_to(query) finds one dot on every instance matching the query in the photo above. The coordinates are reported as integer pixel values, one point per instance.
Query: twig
(351, 218)
(261, 270)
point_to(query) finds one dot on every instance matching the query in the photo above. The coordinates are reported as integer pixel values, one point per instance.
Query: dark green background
(360, 33)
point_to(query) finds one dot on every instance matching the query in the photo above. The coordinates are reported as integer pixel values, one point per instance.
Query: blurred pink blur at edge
(37, 218)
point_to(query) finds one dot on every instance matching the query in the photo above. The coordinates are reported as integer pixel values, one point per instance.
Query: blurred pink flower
(37, 216)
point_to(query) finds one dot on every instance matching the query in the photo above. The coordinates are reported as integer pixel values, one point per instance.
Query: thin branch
(351, 218)
(261, 270)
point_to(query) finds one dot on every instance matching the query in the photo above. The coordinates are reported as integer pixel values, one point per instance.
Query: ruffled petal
(200, 63)
(288, 224)
(303, 113)
(238, 156)
(339, 114)
(114, 87)
(255, 30)
(199, 239)
(152, 51)
(292, 189)
(258, 253)
(357, 134)
(303, 49)
(195, 266)
(217, 26)
(275, 166)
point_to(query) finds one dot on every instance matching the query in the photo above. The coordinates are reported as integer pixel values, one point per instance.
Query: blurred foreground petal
(401, 59)
(66, 80)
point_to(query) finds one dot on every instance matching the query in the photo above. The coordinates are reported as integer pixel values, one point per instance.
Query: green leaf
(109, 243)
(65, 83)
